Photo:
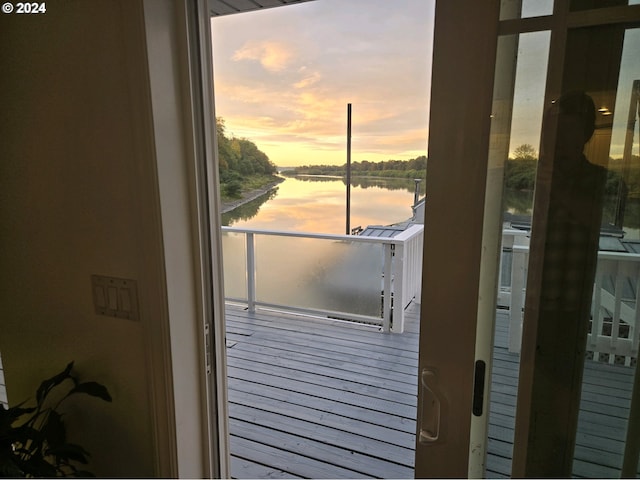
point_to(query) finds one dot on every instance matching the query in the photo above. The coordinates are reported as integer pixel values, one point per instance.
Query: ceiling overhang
(228, 7)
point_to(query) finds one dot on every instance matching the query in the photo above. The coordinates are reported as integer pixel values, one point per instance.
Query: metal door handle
(431, 411)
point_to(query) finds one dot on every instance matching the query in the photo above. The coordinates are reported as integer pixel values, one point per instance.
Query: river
(317, 204)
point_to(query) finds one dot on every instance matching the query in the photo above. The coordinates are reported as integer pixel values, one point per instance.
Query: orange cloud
(273, 56)
(308, 80)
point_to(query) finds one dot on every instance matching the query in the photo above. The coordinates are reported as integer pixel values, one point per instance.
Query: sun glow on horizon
(284, 76)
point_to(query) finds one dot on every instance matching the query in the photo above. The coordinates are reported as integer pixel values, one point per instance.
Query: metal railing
(348, 277)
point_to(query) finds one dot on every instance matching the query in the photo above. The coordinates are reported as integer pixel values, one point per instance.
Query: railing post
(517, 298)
(386, 295)
(504, 296)
(399, 288)
(251, 273)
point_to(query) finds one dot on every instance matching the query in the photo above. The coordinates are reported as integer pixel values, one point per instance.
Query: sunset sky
(284, 76)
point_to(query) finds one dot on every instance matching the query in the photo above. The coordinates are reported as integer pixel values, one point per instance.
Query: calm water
(317, 204)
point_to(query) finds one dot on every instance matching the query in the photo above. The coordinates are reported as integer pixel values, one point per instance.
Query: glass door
(565, 341)
(528, 336)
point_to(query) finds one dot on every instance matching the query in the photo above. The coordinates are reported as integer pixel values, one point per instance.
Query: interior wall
(77, 198)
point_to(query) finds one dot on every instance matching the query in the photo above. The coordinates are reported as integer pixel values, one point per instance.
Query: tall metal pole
(348, 169)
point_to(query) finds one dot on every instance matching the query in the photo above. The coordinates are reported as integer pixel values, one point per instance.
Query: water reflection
(519, 202)
(248, 210)
(317, 204)
(368, 182)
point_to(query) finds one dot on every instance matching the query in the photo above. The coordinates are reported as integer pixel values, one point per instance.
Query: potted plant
(33, 439)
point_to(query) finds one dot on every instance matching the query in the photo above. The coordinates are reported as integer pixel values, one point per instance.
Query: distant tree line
(239, 159)
(520, 172)
(414, 168)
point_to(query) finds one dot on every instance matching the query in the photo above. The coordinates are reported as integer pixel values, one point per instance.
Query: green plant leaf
(47, 385)
(70, 451)
(54, 430)
(26, 435)
(94, 389)
(9, 416)
(36, 466)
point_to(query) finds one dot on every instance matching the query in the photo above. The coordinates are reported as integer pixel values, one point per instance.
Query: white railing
(349, 277)
(614, 310)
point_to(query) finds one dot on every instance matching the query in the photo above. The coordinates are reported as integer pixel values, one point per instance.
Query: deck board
(338, 397)
(313, 398)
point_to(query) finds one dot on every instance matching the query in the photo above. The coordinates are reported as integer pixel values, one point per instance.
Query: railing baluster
(518, 267)
(615, 321)
(596, 318)
(399, 288)
(251, 273)
(386, 296)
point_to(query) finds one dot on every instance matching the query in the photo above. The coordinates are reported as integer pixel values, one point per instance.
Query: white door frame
(464, 49)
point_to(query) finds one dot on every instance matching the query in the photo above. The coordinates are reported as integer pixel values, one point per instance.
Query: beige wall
(79, 195)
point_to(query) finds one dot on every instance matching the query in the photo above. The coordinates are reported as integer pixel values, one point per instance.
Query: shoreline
(229, 205)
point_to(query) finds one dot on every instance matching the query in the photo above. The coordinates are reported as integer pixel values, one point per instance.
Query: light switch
(99, 296)
(115, 297)
(125, 300)
(112, 295)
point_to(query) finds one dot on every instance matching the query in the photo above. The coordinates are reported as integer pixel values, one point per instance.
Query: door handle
(432, 409)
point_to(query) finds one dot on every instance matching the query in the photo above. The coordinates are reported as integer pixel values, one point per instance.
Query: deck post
(251, 273)
(516, 303)
(399, 292)
(386, 292)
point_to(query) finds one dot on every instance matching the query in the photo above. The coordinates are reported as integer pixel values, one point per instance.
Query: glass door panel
(579, 340)
(521, 70)
(612, 341)
(574, 389)
(512, 9)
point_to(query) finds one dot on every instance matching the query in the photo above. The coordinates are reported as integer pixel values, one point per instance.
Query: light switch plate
(115, 297)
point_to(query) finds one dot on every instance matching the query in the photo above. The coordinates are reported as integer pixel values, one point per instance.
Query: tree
(525, 152)
(520, 171)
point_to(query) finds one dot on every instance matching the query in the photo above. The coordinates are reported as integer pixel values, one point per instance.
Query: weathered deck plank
(604, 408)
(335, 400)
(329, 399)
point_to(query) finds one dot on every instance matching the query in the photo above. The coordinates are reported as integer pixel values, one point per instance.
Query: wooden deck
(312, 398)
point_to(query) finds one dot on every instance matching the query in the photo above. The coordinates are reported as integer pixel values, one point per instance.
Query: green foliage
(525, 152)
(33, 440)
(520, 174)
(232, 189)
(414, 168)
(239, 159)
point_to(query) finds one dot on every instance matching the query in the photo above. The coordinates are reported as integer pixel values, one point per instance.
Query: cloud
(309, 80)
(294, 69)
(273, 56)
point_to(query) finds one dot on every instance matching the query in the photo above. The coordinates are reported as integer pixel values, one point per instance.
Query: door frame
(459, 127)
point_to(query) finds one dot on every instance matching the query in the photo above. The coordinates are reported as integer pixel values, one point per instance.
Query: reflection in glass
(513, 9)
(515, 138)
(602, 344)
